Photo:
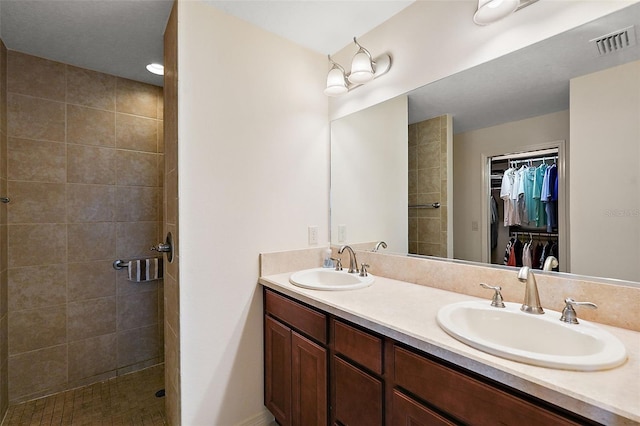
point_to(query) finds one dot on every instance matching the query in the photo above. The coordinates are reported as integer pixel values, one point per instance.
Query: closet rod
(528, 154)
(553, 157)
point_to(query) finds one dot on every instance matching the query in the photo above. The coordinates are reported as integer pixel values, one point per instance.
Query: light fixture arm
(362, 49)
(334, 64)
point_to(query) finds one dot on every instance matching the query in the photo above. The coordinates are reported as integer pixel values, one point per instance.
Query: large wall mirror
(564, 91)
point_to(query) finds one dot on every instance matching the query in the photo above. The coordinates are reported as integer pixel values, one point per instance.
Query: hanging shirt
(541, 218)
(507, 190)
(493, 206)
(527, 255)
(521, 200)
(529, 176)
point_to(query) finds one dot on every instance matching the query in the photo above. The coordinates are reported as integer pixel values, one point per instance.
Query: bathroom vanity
(376, 356)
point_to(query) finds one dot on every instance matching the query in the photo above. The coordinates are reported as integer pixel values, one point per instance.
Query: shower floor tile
(123, 400)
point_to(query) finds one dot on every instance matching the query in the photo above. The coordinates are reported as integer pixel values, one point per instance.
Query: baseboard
(264, 418)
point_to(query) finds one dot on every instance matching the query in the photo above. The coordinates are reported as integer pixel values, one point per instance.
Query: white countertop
(407, 313)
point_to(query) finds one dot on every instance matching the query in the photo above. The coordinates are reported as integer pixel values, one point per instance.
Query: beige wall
(369, 159)
(254, 173)
(469, 189)
(4, 356)
(414, 39)
(84, 151)
(430, 143)
(605, 173)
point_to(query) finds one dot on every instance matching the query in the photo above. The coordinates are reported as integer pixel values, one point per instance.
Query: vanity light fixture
(157, 69)
(364, 68)
(490, 11)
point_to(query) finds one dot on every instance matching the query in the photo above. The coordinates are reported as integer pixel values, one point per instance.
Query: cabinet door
(309, 382)
(407, 412)
(358, 396)
(277, 382)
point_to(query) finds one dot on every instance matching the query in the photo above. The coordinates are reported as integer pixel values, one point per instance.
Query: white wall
(430, 40)
(605, 173)
(369, 156)
(254, 173)
(468, 188)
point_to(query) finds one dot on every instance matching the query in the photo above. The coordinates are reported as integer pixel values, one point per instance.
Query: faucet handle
(497, 300)
(338, 263)
(363, 270)
(569, 314)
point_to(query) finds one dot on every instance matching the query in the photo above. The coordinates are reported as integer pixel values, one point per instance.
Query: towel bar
(120, 264)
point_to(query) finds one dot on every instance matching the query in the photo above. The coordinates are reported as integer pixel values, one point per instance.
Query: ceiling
(120, 37)
(526, 83)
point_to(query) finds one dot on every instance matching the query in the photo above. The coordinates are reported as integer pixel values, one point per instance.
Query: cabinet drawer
(308, 321)
(359, 346)
(465, 398)
(406, 412)
(358, 396)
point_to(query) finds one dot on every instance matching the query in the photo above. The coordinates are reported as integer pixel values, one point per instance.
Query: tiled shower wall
(427, 185)
(4, 397)
(85, 164)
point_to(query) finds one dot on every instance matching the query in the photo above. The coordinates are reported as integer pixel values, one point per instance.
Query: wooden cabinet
(277, 350)
(358, 392)
(295, 366)
(358, 396)
(466, 398)
(408, 412)
(377, 381)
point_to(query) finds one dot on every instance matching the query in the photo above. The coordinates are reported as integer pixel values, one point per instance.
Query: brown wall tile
(91, 88)
(38, 244)
(137, 345)
(136, 168)
(126, 287)
(37, 286)
(3, 154)
(136, 133)
(137, 203)
(136, 98)
(34, 202)
(31, 160)
(91, 357)
(91, 318)
(90, 280)
(35, 118)
(37, 328)
(33, 76)
(37, 371)
(91, 241)
(87, 164)
(69, 150)
(90, 203)
(135, 238)
(137, 310)
(89, 126)
(160, 136)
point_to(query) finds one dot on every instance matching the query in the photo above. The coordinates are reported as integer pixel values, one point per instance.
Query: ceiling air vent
(615, 41)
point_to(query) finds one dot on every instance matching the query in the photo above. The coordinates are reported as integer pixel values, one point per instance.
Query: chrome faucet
(377, 247)
(531, 303)
(353, 263)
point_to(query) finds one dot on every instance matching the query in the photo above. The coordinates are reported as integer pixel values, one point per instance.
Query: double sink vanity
(389, 351)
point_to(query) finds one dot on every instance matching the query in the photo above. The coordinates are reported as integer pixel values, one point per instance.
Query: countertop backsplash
(465, 278)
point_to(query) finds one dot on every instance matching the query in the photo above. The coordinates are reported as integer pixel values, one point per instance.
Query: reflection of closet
(524, 214)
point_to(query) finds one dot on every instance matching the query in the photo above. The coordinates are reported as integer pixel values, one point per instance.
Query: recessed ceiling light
(156, 69)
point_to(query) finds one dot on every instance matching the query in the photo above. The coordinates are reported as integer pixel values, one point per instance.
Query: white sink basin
(541, 340)
(329, 279)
